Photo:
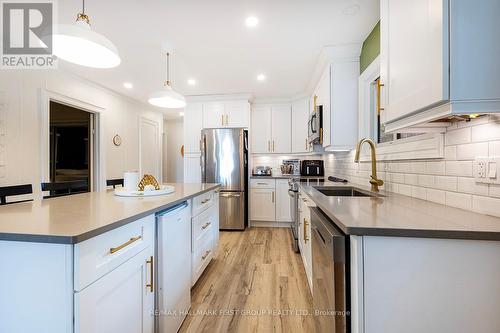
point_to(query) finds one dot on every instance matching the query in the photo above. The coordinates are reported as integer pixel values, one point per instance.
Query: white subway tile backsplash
(404, 189)
(494, 191)
(419, 192)
(411, 179)
(471, 151)
(445, 183)
(486, 132)
(469, 185)
(459, 168)
(437, 196)
(418, 167)
(403, 167)
(450, 152)
(494, 148)
(426, 180)
(458, 136)
(459, 200)
(436, 168)
(486, 205)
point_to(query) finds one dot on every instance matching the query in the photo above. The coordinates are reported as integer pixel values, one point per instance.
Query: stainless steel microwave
(315, 126)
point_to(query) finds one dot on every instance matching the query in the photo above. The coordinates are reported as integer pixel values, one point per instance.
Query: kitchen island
(408, 265)
(88, 262)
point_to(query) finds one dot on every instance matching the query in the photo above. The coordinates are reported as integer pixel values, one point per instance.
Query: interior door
(149, 150)
(281, 129)
(120, 301)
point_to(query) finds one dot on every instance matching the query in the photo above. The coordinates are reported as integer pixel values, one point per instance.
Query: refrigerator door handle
(203, 148)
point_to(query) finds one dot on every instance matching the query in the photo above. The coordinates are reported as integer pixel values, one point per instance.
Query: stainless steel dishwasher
(330, 271)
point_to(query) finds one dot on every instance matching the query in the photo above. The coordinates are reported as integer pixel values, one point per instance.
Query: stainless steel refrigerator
(224, 160)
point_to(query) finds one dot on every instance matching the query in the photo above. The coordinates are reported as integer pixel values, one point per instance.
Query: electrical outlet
(487, 169)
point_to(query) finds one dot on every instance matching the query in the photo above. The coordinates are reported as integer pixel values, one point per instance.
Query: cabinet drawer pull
(273, 196)
(262, 184)
(151, 279)
(205, 201)
(205, 255)
(206, 225)
(127, 243)
(306, 223)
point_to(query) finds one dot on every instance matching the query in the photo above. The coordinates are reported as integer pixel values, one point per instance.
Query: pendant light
(167, 98)
(77, 43)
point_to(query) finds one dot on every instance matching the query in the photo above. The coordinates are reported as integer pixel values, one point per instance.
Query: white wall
(175, 139)
(22, 94)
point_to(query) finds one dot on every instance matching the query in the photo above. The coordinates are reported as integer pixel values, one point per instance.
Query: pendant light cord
(168, 83)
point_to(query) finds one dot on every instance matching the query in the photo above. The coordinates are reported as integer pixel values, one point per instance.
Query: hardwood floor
(255, 283)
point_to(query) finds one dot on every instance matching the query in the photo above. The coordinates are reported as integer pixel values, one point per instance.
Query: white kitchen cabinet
(226, 114)
(420, 82)
(283, 209)
(214, 115)
(261, 130)
(204, 232)
(337, 92)
(262, 204)
(305, 235)
(281, 120)
(120, 301)
(271, 129)
(192, 168)
(300, 117)
(174, 276)
(193, 124)
(237, 114)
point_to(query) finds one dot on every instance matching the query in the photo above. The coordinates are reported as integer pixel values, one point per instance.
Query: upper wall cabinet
(438, 58)
(226, 114)
(300, 116)
(271, 130)
(337, 92)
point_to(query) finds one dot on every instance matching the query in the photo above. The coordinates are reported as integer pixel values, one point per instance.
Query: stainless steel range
(293, 192)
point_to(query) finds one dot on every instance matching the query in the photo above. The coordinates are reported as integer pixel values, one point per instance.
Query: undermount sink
(344, 191)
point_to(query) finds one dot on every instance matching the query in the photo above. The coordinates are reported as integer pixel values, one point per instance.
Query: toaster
(262, 171)
(312, 168)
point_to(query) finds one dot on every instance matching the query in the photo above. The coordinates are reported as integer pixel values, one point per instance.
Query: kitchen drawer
(262, 183)
(99, 255)
(203, 224)
(202, 254)
(202, 202)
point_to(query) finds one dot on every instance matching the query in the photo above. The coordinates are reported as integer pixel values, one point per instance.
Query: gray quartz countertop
(75, 218)
(403, 216)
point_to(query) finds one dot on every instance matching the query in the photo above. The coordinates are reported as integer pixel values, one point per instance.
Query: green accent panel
(370, 49)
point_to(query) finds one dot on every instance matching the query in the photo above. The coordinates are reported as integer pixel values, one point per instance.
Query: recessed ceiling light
(251, 21)
(261, 77)
(191, 82)
(181, 114)
(128, 85)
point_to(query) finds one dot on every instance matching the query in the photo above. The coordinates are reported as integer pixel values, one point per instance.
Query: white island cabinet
(104, 278)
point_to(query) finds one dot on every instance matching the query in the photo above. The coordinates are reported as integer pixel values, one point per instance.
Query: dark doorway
(70, 145)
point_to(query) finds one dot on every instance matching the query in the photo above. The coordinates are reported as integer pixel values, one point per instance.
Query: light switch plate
(487, 170)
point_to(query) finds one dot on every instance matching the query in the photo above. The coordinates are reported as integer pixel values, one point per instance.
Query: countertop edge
(71, 240)
(400, 232)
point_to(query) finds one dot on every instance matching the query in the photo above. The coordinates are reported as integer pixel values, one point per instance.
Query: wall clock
(117, 140)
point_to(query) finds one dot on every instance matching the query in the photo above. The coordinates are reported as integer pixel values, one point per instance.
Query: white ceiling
(211, 43)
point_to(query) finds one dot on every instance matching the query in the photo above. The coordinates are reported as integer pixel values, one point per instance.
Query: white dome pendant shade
(78, 44)
(167, 98)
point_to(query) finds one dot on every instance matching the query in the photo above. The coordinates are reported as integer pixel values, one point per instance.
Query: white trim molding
(369, 75)
(425, 146)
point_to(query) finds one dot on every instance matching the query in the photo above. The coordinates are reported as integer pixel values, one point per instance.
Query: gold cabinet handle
(206, 225)
(205, 255)
(273, 146)
(205, 201)
(127, 243)
(150, 285)
(306, 238)
(227, 120)
(306, 143)
(379, 86)
(269, 145)
(273, 196)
